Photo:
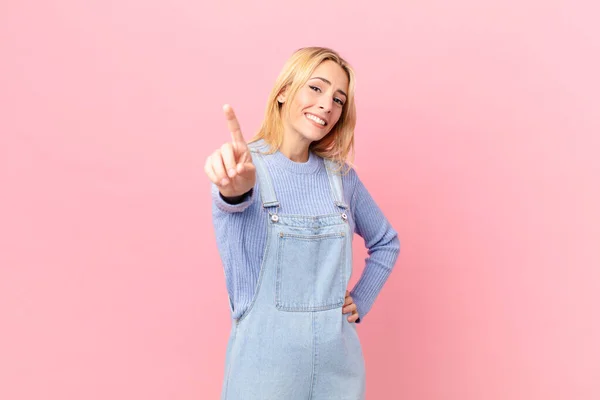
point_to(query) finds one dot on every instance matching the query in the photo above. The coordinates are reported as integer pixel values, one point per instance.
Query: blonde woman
(285, 208)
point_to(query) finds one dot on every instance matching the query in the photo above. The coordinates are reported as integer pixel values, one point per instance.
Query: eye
(339, 101)
(315, 88)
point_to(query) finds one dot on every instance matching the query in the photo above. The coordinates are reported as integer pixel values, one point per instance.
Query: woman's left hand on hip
(349, 306)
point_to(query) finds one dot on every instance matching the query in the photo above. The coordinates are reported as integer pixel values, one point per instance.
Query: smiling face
(318, 104)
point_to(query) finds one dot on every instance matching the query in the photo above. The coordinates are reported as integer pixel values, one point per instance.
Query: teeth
(316, 119)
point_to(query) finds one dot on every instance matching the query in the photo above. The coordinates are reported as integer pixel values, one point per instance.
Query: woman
(285, 207)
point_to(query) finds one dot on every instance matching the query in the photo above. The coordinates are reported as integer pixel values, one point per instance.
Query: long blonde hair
(338, 144)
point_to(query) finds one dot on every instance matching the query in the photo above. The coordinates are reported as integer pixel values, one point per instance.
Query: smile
(316, 119)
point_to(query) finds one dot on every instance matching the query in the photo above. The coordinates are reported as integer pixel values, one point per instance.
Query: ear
(282, 96)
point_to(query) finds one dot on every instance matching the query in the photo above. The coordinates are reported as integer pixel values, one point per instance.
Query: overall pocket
(310, 271)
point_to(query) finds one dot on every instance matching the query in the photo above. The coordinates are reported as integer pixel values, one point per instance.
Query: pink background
(478, 135)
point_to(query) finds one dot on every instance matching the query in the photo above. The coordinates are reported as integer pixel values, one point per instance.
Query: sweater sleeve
(223, 206)
(382, 243)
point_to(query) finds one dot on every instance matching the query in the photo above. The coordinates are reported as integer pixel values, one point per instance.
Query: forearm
(378, 267)
(382, 243)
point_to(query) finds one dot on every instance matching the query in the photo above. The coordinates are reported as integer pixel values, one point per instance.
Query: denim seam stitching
(261, 274)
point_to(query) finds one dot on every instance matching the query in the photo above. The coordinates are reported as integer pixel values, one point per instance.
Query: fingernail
(224, 181)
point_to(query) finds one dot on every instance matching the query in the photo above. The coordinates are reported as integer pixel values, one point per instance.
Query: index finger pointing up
(233, 125)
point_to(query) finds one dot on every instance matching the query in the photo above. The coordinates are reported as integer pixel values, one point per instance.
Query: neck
(295, 149)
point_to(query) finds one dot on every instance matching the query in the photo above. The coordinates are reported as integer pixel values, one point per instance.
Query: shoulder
(354, 188)
(348, 175)
(259, 146)
(345, 171)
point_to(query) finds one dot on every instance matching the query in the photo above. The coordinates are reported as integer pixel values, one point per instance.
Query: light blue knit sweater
(303, 189)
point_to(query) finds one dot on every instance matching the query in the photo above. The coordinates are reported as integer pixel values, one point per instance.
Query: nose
(325, 104)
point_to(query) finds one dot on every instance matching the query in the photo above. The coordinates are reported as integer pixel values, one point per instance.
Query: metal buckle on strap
(274, 216)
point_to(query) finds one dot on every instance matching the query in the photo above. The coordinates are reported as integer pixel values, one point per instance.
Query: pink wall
(478, 135)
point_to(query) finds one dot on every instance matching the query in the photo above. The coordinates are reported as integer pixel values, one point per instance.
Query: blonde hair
(338, 144)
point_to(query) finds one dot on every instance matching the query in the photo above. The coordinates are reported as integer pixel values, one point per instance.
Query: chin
(314, 136)
(311, 134)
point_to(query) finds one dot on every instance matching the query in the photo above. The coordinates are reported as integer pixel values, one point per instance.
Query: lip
(318, 116)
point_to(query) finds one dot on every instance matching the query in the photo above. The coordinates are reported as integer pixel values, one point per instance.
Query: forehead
(334, 73)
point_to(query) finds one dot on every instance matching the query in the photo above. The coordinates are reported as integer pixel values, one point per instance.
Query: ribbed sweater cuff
(231, 208)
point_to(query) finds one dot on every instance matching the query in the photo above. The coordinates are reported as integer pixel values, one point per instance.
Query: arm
(382, 243)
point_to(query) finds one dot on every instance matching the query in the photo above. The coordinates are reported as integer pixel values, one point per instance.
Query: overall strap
(267, 191)
(335, 182)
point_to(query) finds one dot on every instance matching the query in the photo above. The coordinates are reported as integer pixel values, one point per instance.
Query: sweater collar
(280, 160)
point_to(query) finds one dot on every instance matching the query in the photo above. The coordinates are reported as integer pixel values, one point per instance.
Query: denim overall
(293, 342)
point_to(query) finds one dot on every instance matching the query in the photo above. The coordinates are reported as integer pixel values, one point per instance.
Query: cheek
(298, 108)
(295, 108)
(338, 115)
(303, 100)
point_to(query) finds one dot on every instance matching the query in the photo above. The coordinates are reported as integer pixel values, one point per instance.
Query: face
(318, 105)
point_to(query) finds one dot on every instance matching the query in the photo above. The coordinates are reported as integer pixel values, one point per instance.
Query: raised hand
(230, 167)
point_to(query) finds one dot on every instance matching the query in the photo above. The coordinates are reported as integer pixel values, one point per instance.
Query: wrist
(236, 199)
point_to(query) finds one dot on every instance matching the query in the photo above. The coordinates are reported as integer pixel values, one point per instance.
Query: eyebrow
(326, 81)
